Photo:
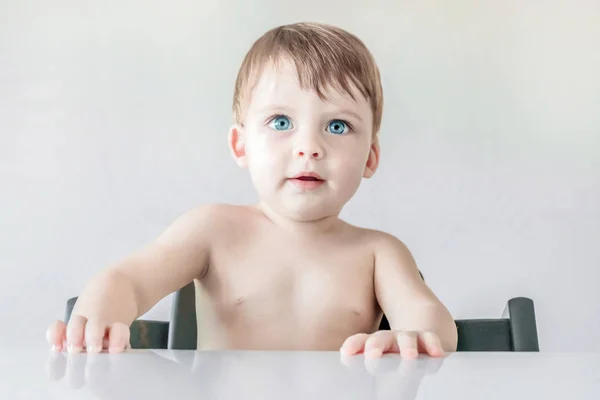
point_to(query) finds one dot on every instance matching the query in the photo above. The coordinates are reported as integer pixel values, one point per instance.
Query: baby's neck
(326, 224)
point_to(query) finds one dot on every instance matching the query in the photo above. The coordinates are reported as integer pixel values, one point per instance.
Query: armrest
(149, 334)
(521, 316)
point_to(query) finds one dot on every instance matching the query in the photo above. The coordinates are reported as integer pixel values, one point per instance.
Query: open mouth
(308, 178)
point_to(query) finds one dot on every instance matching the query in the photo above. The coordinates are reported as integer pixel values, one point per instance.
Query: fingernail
(113, 349)
(95, 347)
(54, 347)
(374, 353)
(73, 349)
(345, 351)
(411, 353)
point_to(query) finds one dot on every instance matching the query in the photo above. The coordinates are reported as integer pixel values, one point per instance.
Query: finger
(380, 342)
(408, 344)
(354, 344)
(94, 335)
(118, 338)
(56, 335)
(430, 344)
(75, 333)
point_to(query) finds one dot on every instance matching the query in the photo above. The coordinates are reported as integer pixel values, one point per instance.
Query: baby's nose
(316, 154)
(308, 145)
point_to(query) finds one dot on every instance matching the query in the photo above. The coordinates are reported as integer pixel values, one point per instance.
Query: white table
(28, 373)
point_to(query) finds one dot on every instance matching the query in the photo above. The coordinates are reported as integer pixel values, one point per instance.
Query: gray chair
(515, 331)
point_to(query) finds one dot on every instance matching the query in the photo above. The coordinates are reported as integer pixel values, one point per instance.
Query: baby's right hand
(92, 334)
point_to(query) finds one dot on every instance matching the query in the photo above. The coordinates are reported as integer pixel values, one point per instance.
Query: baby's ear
(373, 160)
(237, 145)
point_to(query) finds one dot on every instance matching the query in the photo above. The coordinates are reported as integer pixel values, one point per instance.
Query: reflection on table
(248, 375)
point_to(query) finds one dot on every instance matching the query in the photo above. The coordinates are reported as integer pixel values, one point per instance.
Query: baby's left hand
(408, 343)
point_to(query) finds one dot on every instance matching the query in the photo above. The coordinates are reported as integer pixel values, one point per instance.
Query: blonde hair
(324, 56)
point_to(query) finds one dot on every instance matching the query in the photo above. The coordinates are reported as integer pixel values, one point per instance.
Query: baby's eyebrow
(351, 113)
(275, 107)
(287, 109)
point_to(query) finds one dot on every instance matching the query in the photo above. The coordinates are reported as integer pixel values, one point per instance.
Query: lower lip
(306, 184)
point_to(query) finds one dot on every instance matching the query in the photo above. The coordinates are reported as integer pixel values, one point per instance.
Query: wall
(113, 121)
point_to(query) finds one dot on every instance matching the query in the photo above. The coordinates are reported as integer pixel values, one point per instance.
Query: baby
(286, 273)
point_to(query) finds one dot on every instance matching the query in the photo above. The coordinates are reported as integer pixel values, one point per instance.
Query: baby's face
(306, 156)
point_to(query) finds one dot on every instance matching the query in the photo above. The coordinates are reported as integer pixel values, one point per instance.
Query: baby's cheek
(348, 166)
(263, 161)
(348, 179)
(267, 153)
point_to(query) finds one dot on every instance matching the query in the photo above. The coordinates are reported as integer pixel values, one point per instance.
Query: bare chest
(278, 285)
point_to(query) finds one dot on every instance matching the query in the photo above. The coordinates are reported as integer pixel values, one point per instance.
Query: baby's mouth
(308, 178)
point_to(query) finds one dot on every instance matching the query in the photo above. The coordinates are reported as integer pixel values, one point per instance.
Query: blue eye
(281, 123)
(337, 127)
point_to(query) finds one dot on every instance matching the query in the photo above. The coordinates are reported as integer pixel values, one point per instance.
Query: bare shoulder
(389, 252)
(207, 220)
(378, 241)
(393, 252)
(386, 242)
(398, 279)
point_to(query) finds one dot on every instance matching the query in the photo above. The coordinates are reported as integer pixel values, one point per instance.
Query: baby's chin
(308, 209)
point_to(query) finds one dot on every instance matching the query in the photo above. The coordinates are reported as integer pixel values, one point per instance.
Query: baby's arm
(118, 295)
(419, 322)
(405, 299)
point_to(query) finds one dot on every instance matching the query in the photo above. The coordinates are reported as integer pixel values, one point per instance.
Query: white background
(114, 116)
